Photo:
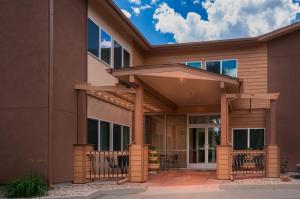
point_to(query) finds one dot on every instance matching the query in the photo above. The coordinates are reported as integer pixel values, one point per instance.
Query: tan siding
(247, 119)
(252, 63)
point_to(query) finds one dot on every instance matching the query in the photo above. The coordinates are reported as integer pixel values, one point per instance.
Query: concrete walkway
(185, 184)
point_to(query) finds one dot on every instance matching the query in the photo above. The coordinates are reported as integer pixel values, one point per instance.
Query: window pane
(229, 68)
(126, 137)
(196, 64)
(211, 119)
(104, 136)
(213, 66)
(257, 139)
(93, 133)
(126, 59)
(93, 38)
(105, 45)
(117, 55)
(240, 139)
(117, 137)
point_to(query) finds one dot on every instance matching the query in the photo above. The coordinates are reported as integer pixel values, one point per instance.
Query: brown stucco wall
(24, 87)
(284, 71)
(70, 66)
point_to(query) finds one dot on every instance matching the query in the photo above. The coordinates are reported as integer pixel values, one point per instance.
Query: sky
(179, 21)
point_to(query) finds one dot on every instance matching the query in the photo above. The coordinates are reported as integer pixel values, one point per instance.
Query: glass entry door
(202, 147)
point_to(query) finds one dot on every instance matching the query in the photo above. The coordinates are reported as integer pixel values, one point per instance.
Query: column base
(272, 161)
(82, 163)
(224, 165)
(138, 163)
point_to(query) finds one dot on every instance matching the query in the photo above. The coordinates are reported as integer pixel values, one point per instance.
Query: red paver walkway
(182, 177)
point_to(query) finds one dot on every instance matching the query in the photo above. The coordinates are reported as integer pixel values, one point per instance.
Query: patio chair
(172, 160)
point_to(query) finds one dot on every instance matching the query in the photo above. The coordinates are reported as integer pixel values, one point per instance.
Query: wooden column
(81, 117)
(139, 116)
(272, 149)
(138, 152)
(224, 120)
(223, 170)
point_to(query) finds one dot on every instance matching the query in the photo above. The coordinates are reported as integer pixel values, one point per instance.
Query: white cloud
(126, 13)
(137, 9)
(135, 1)
(146, 6)
(154, 1)
(226, 19)
(196, 2)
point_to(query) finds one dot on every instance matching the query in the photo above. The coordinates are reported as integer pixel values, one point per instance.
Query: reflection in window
(93, 133)
(105, 45)
(93, 38)
(213, 66)
(126, 137)
(257, 139)
(244, 139)
(117, 55)
(196, 64)
(240, 139)
(229, 68)
(126, 59)
(104, 135)
(117, 137)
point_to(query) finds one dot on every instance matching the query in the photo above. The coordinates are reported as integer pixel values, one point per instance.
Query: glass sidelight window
(107, 136)
(250, 138)
(93, 38)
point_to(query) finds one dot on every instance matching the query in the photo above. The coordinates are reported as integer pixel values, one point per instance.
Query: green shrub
(28, 186)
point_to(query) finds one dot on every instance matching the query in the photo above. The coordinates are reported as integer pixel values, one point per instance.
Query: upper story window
(224, 67)
(194, 64)
(117, 55)
(103, 46)
(229, 68)
(126, 59)
(93, 38)
(213, 66)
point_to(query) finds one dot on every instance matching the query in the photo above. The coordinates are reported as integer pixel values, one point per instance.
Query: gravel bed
(262, 181)
(69, 189)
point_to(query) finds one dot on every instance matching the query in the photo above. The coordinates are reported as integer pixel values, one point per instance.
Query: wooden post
(138, 116)
(82, 163)
(138, 152)
(224, 120)
(81, 117)
(224, 167)
(272, 149)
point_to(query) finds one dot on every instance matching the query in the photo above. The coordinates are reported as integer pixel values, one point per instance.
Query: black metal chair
(172, 160)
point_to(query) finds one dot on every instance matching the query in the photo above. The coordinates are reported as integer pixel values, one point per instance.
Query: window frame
(248, 135)
(221, 65)
(111, 65)
(201, 63)
(87, 39)
(111, 133)
(237, 64)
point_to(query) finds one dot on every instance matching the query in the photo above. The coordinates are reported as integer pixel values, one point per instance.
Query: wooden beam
(118, 89)
(109, 100)
(153, 92)
(266, 96)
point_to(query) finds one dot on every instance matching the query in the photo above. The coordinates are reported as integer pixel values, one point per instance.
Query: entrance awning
(177, 86)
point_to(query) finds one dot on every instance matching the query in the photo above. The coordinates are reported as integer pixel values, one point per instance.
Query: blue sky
(177, 21)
